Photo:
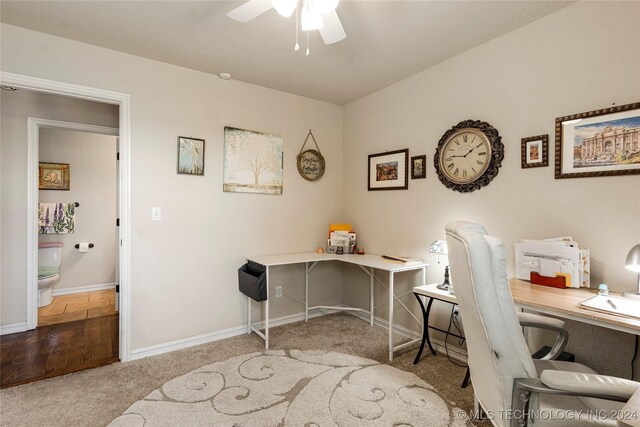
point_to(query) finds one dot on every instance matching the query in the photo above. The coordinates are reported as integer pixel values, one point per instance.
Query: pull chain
(297, 46)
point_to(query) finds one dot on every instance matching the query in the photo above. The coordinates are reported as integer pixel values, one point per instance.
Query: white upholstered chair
(512, 388)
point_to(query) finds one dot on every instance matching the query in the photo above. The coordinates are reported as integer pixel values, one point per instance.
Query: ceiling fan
(315, 15)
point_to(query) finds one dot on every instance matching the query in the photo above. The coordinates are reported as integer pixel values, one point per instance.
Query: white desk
(366, 262)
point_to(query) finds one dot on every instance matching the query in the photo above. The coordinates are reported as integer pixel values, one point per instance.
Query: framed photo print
(53, 176)
(599, 143)
(534, 151)
(388, 171)
(190, 156)
(419, 167)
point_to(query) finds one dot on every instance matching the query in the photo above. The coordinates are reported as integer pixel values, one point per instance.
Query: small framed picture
(535, 151)
(389, 170)
(190, 156)
(419, 167)
(53, 176)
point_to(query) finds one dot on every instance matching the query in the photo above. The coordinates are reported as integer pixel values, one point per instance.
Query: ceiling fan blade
(332, 32)
(250, 10)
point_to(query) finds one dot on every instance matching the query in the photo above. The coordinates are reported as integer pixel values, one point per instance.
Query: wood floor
(85, 305)
(58, 349)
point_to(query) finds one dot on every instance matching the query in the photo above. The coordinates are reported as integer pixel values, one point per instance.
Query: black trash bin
(252, 281)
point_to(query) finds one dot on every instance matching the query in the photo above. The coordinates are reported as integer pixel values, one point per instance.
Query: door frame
(33, 157)
(124, 197)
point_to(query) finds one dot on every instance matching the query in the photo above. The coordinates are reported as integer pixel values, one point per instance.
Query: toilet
(49, 261)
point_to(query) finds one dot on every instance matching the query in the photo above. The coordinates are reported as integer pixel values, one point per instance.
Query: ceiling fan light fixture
(311, 18)
(327, 6)
(284, 7)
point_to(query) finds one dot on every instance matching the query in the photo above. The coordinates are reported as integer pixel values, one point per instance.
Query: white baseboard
(12, 328)
(454, 352)
(154, 350)
(79, 289)
(438, 345)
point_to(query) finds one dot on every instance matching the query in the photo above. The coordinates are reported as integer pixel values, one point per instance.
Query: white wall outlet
(278, 291)
(156, 214)
(456, 311)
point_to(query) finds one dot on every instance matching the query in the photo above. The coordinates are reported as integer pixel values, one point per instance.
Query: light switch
(156, 214)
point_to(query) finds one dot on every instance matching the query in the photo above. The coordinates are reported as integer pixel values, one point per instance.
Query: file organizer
(252, 281)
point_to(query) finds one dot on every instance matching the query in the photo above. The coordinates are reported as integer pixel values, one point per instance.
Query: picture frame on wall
(534, 151)
(253, 162)
(53, 176)
(603, 142)
(388, 170)
(190, 156)
(419, 167)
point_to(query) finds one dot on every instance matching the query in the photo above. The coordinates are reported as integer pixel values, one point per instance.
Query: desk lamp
(439, 247)
(633, 263)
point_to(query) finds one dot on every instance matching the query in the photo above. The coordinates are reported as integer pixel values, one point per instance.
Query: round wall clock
(468, 156)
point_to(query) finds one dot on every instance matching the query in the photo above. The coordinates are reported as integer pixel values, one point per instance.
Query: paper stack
(555, 257)
(341, 236)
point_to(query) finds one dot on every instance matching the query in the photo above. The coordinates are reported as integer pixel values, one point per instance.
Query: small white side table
(432, 292)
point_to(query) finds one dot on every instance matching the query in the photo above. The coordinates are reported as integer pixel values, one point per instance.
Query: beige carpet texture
(331, 370)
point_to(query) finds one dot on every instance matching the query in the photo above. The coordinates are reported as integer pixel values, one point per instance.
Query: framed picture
(389, 171)
(534, 151)
(53, 176)
(253, 161)
(599, 143)
(419, 167)
(190, 156)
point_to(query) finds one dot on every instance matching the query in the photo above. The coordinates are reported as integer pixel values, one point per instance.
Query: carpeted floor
(97, 397)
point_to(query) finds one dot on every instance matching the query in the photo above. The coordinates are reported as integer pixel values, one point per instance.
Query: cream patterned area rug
(294, 388)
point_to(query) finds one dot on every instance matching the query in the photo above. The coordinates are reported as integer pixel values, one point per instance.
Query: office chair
(511, 387)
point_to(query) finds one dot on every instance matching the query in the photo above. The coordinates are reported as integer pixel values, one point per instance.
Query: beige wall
(184, 279)
(581, 58)
(15, 108)
(92, 163)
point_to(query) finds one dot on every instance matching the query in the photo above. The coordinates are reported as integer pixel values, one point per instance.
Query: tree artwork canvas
(252, 161)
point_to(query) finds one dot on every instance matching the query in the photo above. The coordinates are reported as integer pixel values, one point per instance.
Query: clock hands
(474, 138)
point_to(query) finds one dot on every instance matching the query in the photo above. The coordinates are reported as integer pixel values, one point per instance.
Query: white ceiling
(386, 40)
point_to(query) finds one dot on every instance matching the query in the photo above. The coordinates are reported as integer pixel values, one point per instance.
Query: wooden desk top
(564, 303)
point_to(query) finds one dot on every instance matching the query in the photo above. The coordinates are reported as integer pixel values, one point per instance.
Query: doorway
(123, 199)
(77, 221)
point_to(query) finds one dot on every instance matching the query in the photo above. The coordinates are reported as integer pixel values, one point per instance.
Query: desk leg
(425, 328)
(467, 378)
(266, 317)
(248, 315)
(371, 286)
(306, 291)
(391, 294)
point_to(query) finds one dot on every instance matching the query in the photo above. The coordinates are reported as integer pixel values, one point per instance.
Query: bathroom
(77, 250)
